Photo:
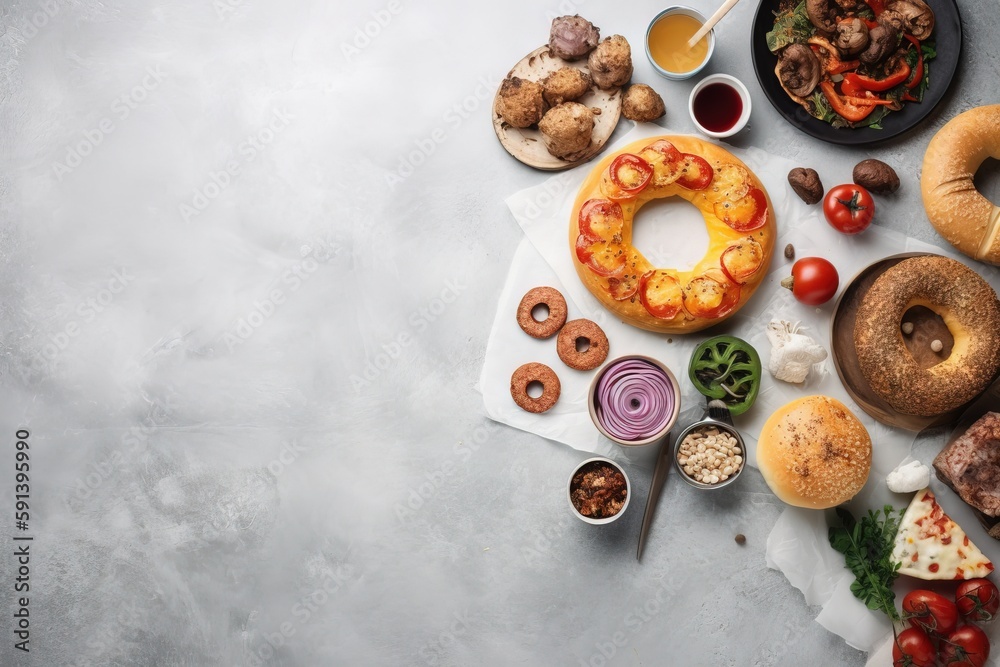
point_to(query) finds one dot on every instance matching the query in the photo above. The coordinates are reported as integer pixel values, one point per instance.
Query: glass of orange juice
(666, 43)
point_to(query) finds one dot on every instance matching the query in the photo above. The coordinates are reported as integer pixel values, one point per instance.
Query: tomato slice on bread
(661, 294)
(696, 172)
(742, 259)
(711, 295)
(630, 173)
(745, 215)
(665, 160)
(605, 258)
(601, 219)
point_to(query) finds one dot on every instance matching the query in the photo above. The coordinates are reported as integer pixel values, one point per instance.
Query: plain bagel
(969, 308)
(959, 212)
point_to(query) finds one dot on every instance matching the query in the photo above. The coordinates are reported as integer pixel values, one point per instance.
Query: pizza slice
(929, 545)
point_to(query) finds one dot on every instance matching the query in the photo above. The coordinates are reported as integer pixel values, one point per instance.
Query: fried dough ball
(521, 102)
(566, 84)
(641, 103)
(567, 129)
(610, 63)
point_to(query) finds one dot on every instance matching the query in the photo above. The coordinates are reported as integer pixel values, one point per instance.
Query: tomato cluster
(935, 636)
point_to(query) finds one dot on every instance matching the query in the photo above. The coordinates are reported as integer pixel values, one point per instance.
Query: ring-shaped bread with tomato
(738, 216)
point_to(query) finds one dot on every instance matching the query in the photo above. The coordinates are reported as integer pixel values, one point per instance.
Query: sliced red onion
(634, 399)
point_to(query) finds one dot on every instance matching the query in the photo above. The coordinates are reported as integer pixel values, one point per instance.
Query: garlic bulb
(792, 352)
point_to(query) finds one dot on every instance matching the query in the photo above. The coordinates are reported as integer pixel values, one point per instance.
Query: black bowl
(948, 40)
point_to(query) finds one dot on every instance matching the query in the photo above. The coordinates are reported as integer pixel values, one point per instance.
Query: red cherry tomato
(849, 208)
(813, 282)
(631, 173)
(966, 647)
(977, 600)
(913, 648)
(934, 614)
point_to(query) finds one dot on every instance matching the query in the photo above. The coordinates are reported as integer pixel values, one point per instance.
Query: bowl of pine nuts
(709, 454)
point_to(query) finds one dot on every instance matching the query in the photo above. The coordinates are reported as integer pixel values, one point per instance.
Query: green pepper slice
(727, 368)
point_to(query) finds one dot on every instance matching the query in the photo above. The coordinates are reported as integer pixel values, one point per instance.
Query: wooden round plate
(845, 358)
(526, 144)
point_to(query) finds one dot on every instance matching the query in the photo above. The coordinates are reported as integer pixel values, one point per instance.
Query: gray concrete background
(251, 256)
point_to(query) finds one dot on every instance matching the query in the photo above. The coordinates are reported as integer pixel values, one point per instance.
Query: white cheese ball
(909, 478)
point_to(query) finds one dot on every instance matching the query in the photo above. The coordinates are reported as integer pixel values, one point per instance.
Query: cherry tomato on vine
(933, 613)
(813, 282)
(977, 600)
(913, 648)
(849, 208)
(966, 647)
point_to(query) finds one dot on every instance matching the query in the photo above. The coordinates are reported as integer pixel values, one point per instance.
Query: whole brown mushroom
(521, 102)
(566, 84)
(642, 104)
(876, 176)
(883, 40)
(799, 69)
(610, 63)
(567, 129)
(806, 184)
(822, 14)
(917, 18)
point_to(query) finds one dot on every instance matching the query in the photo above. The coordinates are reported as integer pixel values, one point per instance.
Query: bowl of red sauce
(719, 106)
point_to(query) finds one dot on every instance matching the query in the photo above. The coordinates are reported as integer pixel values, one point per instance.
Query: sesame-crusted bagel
(959, 212)
(969, 308)
(813, 452)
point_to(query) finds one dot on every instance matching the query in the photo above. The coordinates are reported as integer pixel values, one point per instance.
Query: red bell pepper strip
(851, 111)
(918, 71)
(878, 6)
(901, 74)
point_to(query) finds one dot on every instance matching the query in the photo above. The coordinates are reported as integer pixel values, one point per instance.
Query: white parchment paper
(798, 544)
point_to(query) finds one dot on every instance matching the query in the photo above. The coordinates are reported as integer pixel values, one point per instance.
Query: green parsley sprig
(867, 548)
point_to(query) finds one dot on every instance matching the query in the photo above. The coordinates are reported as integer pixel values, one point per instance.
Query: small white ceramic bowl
(655, 437)
(569, 491)
(687, 11)
(732, 82)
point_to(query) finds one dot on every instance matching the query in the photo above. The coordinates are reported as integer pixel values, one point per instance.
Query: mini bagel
(959, 212)
(551, 299)
(738, 216)
(597, 345)
(534, 372)
(969, 308)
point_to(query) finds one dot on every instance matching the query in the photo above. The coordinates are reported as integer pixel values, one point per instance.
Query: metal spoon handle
(660, 472)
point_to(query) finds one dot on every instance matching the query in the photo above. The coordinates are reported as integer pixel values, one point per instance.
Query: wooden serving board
(527, 145)
(845, 358)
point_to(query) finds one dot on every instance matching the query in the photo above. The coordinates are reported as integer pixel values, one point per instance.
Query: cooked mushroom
(883, 40)
(799, 69)
(852, 37)
(917, 17)
(848, 4)
(823, 14)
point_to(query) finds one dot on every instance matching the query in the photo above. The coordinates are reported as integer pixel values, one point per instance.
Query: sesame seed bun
(814, 453)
